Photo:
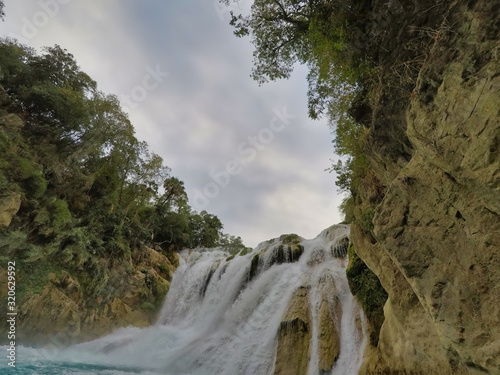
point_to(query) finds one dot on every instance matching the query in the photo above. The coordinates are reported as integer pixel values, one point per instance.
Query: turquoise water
(31, 361)
(43, 367)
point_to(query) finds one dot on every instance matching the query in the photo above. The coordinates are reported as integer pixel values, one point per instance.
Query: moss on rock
(365, 285)
(291, 238)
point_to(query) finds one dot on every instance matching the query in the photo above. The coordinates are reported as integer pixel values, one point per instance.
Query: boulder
(9, 206)
(12, 121)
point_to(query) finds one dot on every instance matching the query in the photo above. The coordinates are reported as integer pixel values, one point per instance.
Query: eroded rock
(436, 245)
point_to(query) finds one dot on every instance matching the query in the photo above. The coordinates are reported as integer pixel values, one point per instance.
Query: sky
(246, 153)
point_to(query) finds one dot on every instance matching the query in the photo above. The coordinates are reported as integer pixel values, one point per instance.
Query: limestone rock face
(152, 259)
(328, 335)
(51, 311)
(61, 314)
(437, 229)
(295, 333)
(294, 337)
(408, 334)
(9, 206)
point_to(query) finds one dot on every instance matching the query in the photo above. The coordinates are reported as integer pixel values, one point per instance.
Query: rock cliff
(435, 237)
(9, 206)
(62, 312)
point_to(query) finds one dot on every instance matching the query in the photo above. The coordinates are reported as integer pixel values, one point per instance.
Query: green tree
(51, 90)
(279, 31)
(282, 32)
(206, 229)
(173, 230)
(175, 196)
(231, 244)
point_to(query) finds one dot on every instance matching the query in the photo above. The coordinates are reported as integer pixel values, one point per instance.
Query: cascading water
(229, 316)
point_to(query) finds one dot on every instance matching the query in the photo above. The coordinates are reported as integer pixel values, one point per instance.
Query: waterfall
(228, 316)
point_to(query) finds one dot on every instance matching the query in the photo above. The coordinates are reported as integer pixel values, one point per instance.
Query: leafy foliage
(206, 229)
(233, 244)
(281, 33)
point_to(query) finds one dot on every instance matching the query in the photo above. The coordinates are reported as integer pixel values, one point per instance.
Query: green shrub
(347, 209)
(291, 238)
(10, 241)
(159, 288)
(365, 285)
(60, 213)
(24, 168)
(163, 267)
(31, 176)
(42, 217)
(4, 182)
(36, 185)
(244, 251)
(34, 276)
(365, 220)
(148, 307)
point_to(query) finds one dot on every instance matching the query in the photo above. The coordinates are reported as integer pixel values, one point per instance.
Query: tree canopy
(284, 32)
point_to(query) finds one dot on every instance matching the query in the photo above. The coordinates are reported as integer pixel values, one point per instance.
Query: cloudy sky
(247, 154)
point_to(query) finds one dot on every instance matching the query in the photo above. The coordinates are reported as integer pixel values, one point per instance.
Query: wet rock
(294, 337)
